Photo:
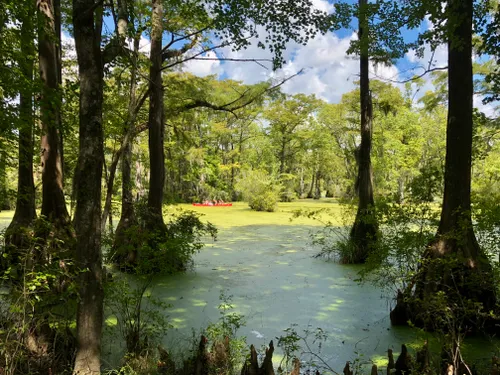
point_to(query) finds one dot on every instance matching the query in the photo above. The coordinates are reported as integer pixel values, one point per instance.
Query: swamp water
(274, 280)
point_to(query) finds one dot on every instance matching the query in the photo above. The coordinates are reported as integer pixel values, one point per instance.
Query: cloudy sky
(327, 70)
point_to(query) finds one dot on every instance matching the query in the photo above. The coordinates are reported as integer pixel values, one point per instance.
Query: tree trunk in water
(156, 128)
(87, 33)
(53, 201)
(364, 230)
(25, 205)
(454, 262)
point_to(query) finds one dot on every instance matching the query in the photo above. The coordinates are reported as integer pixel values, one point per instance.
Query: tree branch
(228, 107)
(195, 55)
(257, 61)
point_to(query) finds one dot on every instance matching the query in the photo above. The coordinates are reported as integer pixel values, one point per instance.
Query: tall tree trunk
(128, 218)
(364, 230)
(156, 128)
(317, 190)
(25, 205)
(53, 201)
(311, 189)
(282, 155)
(4, 194)
(87, 21)
(57, 23)
(128, 132)
(454, 262)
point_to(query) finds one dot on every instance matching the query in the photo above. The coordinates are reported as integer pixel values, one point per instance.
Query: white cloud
(144, 45)
(326, 70)
(204, 67)
(323, 5)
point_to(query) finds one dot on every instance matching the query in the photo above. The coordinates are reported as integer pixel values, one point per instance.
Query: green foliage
(486, 215)
(140, 317)
(260, 189)
(38, 310)
(332, 239)
(166, 250)
(426, 186)
(407, 230)
(227, 329)
(306, 346)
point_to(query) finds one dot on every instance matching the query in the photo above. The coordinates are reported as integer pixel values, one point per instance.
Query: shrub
(261, 190)
(140, 317)
(165, 251)
(406, 230)
(37, 312)
(333, 238)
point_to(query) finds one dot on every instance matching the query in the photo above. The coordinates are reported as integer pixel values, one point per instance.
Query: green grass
(241, 215)
(5, 219)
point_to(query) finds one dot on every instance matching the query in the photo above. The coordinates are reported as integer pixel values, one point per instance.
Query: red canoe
(213, 205)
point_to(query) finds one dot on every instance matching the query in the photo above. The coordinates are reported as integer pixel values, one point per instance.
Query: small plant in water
(140, 317)
(306, 347)
(223, 336)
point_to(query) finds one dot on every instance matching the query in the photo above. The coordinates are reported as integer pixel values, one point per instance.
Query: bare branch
(205, 50)
(414, 78)
(257, 61)
(190, 35)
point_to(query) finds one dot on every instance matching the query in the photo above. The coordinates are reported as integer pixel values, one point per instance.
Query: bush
(261, 190)
(140, 317)
(406, 231)
(38, 311)
(332, 239)
(164, 251)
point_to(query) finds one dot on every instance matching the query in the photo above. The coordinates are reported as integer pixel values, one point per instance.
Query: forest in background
(104, 129)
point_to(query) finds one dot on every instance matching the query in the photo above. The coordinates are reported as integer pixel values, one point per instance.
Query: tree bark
(156, 126)
(453, 262)
(87, 19)
(317, 189)
(283, 155)
(57, 22)
(364, 230)
(128, 218)
(25, 204)
(4, 194)
(311, 189)
(53, 201)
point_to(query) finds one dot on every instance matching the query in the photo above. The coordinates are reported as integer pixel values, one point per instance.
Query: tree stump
(403, 364)
(347, 369)
(390, 365)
